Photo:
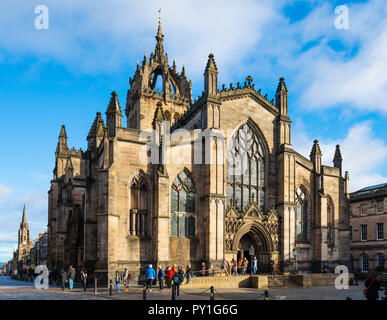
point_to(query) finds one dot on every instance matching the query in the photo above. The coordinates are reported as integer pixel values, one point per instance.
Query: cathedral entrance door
(255, 239)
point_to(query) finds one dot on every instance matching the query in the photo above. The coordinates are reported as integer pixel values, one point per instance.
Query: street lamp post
(295, 253)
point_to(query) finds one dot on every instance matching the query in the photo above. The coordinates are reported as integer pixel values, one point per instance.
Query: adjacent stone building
(189, 181)
(368, 216)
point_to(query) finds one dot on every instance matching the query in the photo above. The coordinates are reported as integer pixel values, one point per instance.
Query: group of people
(241, 266)
(68, 277)
(169, 276)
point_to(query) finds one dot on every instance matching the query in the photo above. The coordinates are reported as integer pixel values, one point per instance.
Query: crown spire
(159, 51)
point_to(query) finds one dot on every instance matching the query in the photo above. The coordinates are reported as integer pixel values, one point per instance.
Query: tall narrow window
(363, 232)
(331, 223)
(364, 263)
(379, 207)
(380, 262)
(379, 231)
(183, 198)
(246, 170)
(139, 219)
(301, 216)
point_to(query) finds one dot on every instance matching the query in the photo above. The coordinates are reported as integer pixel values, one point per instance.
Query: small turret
(315, 156)
(113, 115)
(281, 97)
(338, 159)
(211, 77)
(62, 143)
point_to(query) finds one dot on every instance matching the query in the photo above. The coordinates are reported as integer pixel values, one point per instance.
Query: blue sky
(337, 79)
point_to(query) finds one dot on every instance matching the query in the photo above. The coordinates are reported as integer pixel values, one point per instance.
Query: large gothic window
(246, 169)
(301, 216)
(139, 218)
(183, 198)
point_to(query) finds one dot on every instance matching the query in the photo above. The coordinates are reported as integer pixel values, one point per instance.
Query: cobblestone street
(20, 290)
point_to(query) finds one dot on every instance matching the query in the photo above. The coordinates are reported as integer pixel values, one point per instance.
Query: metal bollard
(212, 294)
(95, 286)
(144, 293)
(111, 288)
(173, 292)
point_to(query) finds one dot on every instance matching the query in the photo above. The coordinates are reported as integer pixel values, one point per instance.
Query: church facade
(189, 181)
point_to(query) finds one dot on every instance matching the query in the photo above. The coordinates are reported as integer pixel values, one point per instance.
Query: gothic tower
(24, 242)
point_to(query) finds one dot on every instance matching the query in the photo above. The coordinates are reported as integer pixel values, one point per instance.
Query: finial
(160, 16)
(249, 80)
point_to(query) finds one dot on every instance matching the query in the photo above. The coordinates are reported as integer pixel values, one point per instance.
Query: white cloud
(5, 191)
(96, 36)
(363, 153)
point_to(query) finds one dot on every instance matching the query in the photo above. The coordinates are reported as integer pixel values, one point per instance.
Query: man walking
(150, 275)
(63, 275)
(71, 275)
(84, 280)
(160, 276)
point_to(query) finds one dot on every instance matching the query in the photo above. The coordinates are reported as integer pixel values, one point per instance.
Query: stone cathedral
(189, 181)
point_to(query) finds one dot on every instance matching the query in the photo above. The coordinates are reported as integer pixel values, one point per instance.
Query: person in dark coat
(372, 287)
(63, 275)
(160, 276)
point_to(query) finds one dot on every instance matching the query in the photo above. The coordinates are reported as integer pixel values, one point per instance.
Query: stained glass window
(174, 225)
(301, 216)
(246, 169)
(182, 220)
(183, 198)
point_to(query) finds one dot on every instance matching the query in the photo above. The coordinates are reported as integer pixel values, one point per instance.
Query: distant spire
(24, 219)
(114, 105)
(63, 133)
(316, 151)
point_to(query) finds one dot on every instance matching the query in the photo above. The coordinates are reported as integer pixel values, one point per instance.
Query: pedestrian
(271, 265)
(243, 267)
(84, 280)
(71, 277)
(203, 269)
(176, 282)
(63, 275)
(188, 274)
(326, 267)
(169, 274)
(125, 281)
(150, 275)
(240, 266)
(117, 280)
(372, 285)
(181, 274)
(54, 276)
(224, 268)
(255, 265)
(235, 268)
(160, 277)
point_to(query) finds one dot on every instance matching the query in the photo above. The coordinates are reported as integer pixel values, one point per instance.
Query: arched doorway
(254, 235)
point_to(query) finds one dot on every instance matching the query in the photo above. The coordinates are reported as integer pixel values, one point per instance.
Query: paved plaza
(21, 290)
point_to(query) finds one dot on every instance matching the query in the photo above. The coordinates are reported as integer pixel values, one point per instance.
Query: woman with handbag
(372, 287)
